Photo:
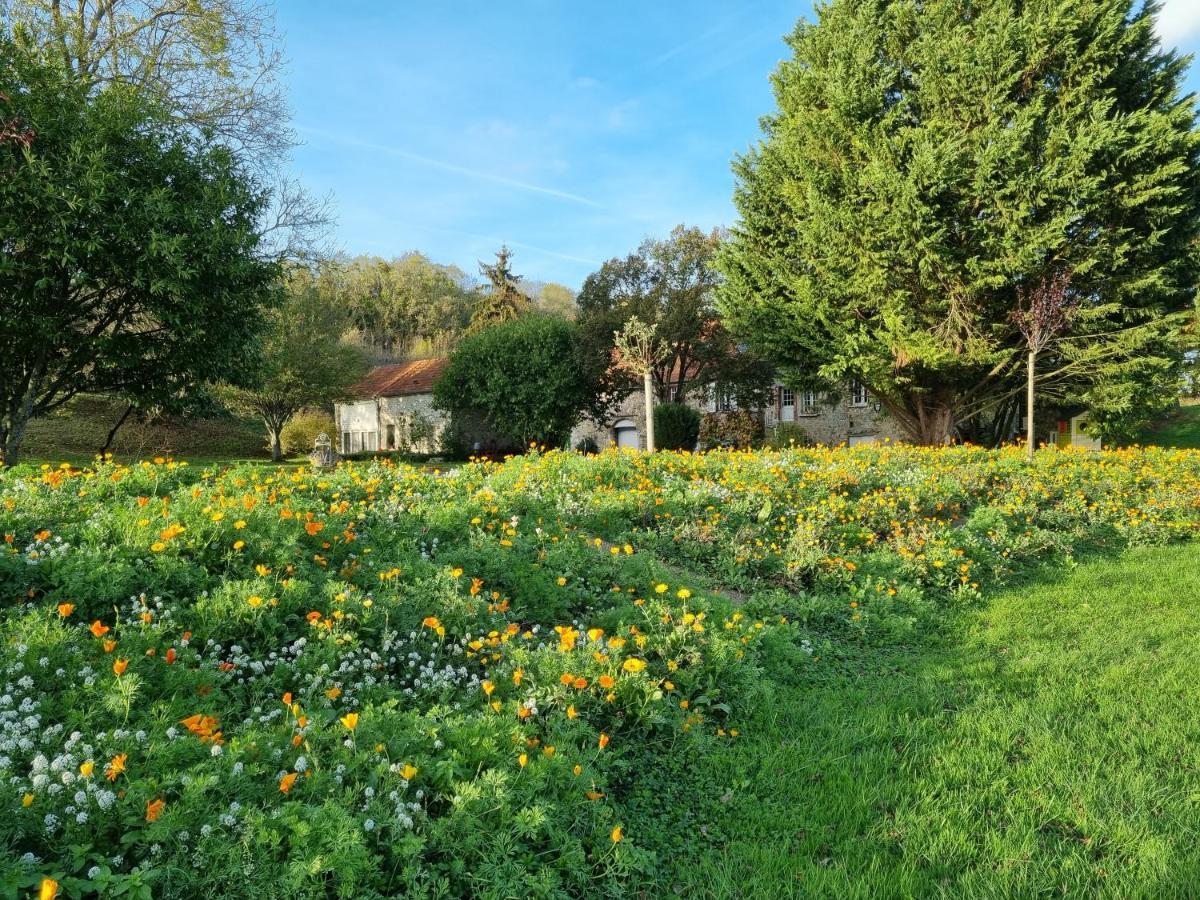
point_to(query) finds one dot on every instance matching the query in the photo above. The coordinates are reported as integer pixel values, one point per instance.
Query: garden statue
(323, 455)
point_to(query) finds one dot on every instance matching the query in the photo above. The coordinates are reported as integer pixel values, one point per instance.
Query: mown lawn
(1046, 745)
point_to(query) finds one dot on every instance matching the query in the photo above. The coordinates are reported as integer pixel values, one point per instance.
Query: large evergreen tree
(931, 160)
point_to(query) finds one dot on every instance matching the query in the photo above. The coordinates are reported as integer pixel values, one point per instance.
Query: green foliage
(487, 629)
(669, 285)
(676, 426)
(132, 262)
(738, 428)
(302, 429)
(404, 307)
(527, 380)
(304, 363)
(782, 435)
(948, 161)
(502, 299)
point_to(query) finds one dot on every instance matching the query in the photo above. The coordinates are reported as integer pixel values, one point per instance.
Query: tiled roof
(416, 377)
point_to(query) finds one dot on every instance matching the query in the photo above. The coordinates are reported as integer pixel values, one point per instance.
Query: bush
(676, 426)
(738, 428)
(299, 433)
(788, 434)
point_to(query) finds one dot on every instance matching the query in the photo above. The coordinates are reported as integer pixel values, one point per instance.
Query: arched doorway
(625, 435)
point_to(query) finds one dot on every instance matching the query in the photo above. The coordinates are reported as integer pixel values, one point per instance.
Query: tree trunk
(112, 432)
(648, 385)
(276, 445)
(1030, 433)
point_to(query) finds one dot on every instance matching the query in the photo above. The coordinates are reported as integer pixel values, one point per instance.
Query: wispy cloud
(347, 141)
(1178, 22)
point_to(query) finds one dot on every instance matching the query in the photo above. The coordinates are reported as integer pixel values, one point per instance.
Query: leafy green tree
(928, 162)
(528, 380)
(304, 363)
(402, 307)
(130, 260)
(671, 285)
(214, 65)
(501, 300)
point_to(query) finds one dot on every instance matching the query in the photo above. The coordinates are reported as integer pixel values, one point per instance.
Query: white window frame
(858, 394)
(807, 405)
(787, 397)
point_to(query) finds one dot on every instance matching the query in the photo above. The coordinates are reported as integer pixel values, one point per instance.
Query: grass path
(1047, 746)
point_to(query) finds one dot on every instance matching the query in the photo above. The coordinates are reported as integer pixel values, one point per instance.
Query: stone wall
(836, 421)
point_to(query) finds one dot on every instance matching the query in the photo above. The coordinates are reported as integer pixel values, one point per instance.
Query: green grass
(1046, 745)
(76, 432)
(1180, 429)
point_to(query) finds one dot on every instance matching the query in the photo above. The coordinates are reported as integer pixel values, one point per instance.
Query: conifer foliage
(930, 161)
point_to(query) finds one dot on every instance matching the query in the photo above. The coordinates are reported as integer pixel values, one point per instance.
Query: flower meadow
(381, 681)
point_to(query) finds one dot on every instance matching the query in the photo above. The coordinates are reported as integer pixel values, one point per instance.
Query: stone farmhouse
(392, 409)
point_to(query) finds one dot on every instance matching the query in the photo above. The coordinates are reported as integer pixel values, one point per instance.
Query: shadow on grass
(1046, 744)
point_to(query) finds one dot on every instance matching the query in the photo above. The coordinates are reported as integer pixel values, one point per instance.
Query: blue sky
(568, 130)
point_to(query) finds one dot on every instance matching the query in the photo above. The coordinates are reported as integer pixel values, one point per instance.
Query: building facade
(849, 415)
(392, 409)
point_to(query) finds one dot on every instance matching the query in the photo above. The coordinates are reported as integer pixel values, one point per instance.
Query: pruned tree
(671, 284)
(1043, 315)
(638, 351)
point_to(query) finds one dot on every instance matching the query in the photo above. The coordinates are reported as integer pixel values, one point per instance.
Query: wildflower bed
(380, 681)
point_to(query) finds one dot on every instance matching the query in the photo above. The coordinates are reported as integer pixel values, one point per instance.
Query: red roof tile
(416, 377)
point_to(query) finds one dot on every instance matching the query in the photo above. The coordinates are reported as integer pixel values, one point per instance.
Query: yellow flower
(27, 801)
(561, 581)
(633, 665)
(488, 687)
(239, 524)
(616, 835)
(660, 589)
(255, 601)
(350, 720)
(333, 693)
(571, 714)
(409, 772)
(578, 770)
(65, 609)
(238, 545)
(86, 768)
(523, 760)
(683, 593)
(48, 890)
(158, 546)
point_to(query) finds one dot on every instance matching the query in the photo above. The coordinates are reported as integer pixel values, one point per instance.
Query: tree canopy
(130, 258)
(670, 285)
(528, 380)
(304, 361)
(501, 299)
(925, 165)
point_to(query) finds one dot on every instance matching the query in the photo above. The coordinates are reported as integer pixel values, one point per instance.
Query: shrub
(676, 426)
(788, 434)
(302, 429)
(738, 428)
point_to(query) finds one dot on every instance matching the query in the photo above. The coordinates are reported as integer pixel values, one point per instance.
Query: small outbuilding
(392, 409)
